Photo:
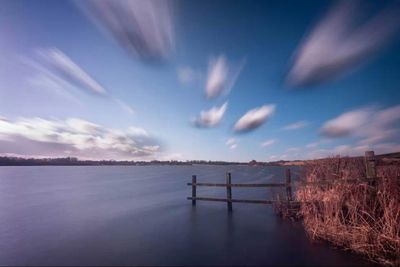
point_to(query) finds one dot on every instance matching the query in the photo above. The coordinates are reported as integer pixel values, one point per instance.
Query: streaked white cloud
(124, 106)
(82, 126)
(318, 143)
(293, 149)
(338, 43)
(347, 123)
(212, 117)
(74, 137)
(296, 125)
(67, 69)
(268, 142)
(254, 118)
(143, 28)
(52, 84)
(232, 143)
(54, 70)
(136, 131)
(370, 124)
(152, 148)
(187, 75)
(221, 76)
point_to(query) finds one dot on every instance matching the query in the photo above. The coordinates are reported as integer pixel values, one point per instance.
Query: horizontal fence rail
(237, 185)
(254, 201)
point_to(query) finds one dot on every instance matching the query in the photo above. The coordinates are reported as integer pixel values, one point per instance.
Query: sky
(199, 80)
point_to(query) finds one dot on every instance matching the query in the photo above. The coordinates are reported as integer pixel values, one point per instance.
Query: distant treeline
(71, 161)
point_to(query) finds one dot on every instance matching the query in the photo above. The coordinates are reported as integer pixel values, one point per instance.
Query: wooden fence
(370, 164)
(228, 185)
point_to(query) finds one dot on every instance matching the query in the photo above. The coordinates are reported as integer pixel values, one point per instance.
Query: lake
(139, 215)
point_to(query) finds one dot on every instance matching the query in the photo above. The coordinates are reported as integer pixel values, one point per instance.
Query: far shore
(72, 161)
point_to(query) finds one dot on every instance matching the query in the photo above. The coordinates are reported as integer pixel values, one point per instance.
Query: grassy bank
(356, 216)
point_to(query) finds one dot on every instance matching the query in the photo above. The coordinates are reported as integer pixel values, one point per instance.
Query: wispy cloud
(296, 125)
(74, 137)
(370, 124)
(124, 106)
(143, 28)
(67, 69)
(187, 75)
(317, 143)
(254, 118)
(346, 123)
(56, 71)
(232, 143)
(52, 84)
(212, 117)
(221, 76)
(137, 131)
(339, 43)
(293, 149)
(74, 124)
(268, 142)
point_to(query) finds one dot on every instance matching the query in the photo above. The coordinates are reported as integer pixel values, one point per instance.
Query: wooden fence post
(370, 166)
(194, 190)
(229, 190)
(288, 185)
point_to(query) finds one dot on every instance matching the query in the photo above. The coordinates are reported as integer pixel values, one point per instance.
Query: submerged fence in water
(228, 185)
(370, 165)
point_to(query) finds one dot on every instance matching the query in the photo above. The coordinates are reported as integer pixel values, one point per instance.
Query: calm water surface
(139, 215)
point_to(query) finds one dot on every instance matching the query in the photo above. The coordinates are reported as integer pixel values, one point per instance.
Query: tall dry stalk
(354, 216)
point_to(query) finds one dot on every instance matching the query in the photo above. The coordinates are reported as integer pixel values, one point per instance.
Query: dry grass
(285, 210)
(354, 216)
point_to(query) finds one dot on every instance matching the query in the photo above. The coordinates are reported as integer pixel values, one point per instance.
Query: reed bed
(358, 216)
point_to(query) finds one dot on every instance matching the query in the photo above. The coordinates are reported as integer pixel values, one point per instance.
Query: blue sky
(138, 80)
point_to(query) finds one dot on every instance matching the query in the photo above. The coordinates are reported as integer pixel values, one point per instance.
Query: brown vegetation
(360, 216)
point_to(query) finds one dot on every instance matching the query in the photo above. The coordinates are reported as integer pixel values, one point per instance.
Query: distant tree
(253, 162)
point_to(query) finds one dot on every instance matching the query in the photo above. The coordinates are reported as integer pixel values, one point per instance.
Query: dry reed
(357, 216)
